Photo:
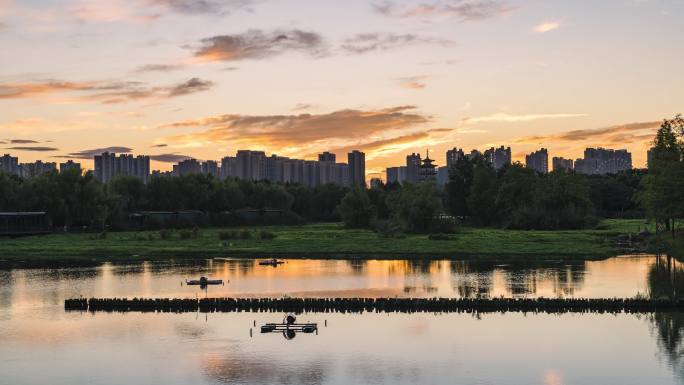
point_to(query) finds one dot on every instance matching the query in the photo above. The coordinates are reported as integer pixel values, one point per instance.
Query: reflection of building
(538, 161)
(600, 161)
(498, 157)
(562, 164)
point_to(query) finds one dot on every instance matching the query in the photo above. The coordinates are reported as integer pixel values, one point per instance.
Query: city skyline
(177, 79)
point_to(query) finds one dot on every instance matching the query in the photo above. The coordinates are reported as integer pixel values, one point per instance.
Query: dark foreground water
(42, 344)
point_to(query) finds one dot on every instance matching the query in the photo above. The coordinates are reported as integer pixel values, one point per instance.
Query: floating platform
(304, 328)
(270, 262)
(375, 305)
(204, 281)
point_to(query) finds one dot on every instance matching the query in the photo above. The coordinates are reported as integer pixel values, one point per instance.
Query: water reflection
(666, 280)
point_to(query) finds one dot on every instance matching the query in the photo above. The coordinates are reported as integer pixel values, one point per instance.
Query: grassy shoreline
(316, 240)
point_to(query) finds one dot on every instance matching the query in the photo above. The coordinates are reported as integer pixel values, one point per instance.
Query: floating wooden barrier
(374, 305)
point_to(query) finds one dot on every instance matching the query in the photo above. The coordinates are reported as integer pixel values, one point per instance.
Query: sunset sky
(204, 78)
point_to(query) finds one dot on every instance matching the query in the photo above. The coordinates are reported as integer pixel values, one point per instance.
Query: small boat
(289, 327)
(270, 262)
(204, 281)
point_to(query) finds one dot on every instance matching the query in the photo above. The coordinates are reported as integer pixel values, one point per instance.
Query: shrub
(389, 229)
(245, 234)
(165, 234)
(185, 234)
(228, 234)
(439, 237)
(263, 234)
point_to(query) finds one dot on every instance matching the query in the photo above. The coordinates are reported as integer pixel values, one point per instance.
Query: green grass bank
(315, 240)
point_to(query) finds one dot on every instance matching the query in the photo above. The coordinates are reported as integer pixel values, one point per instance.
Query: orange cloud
(413, 82)
(304, 132)
(104, 92)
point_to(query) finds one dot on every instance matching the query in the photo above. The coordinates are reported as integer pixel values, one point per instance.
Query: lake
(41, 343)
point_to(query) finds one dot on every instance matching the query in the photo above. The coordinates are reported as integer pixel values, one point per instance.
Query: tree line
(476, 194)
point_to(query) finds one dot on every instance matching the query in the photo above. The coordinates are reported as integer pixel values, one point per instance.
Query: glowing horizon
(203, 79)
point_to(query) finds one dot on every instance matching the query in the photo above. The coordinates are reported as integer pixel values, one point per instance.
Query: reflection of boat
(289, 327)
(270, 262)
(204, 281)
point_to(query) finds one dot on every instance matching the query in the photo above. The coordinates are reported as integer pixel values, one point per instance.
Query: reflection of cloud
(463, 10)
(257, 44)
(507, 118)
(546, 26)
(369, 42)
(552, 377)
(240, 368)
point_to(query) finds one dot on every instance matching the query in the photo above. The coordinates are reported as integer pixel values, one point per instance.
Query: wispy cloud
(413, 82)
(103, 91)
(33, 148)
(618, 134)
(463, 10)
(159, 68)
(23, 141)
(257, 44)
(547, 26)
(337, 128)
(369, 42)
(203, 6)
(89, 154)
(508, 118)
(169, 158)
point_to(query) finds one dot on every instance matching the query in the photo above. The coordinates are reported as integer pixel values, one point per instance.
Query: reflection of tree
(474, 280)
(522, 278)
(357, 265)
(666, 280)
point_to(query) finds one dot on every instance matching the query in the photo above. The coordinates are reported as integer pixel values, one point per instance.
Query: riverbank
(315, 240)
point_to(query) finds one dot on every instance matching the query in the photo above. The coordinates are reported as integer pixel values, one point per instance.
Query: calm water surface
(43, 344)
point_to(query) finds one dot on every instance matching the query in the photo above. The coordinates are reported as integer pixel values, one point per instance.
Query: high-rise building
(413, 163)
(210, 167)
(108, 165)
(327, 157)
(9, 164)
(560, 163)
(376, 183)
(357, 168)
(498, 157)
(69, 165)
(442, 175)
(538, 161)
(453, 155)
(251, 165)
(37, 168)
(228, 165)
(649, 157)
(187, 167)
(396, 174)
(600, 161)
